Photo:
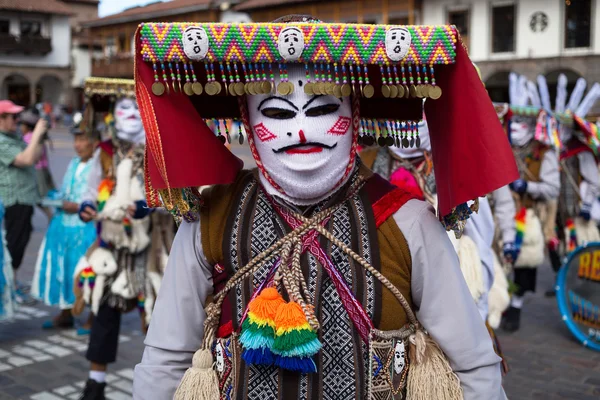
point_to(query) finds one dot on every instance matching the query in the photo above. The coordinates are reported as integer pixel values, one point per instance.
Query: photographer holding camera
(18, 183)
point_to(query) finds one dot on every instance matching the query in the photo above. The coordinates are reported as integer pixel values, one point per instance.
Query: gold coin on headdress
(187, 89)
(218, 86)
(266, 87)
(283, 89)
(337, 91)
(406, 91)
(418, 91)
(400, 91)
(252, 88)
(368, 91)
(231, 89)
(210, 88)
(425, 91)
(435, 92)
(412, 90)
(308, 89)
(386, 91)
(197, 88)
(394, 91)
(346, 90)
(246, 90)
(239, 89)
(318, 88)
(158, 88)
(329, 88)
(291, 87)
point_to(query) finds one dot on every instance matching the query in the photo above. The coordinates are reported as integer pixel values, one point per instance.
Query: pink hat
(8, 107)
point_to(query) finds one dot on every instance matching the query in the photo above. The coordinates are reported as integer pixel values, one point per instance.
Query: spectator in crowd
(18, 184)
(45, 182)
(67, 238)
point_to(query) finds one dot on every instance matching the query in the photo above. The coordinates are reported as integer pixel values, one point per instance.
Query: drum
(578, 294)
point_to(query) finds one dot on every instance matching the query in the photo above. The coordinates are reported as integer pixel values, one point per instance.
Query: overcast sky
(108, 7)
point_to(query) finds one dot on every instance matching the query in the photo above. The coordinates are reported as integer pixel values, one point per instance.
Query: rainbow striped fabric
(520, 222)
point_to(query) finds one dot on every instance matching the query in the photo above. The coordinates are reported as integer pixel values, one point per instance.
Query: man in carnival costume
(534, 138)
(579, 166)
(119, 272)
(313, 277)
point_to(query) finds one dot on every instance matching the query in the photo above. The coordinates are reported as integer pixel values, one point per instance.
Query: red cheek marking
(262, 133)
(340, 127)
(120, 113)
(302, 137)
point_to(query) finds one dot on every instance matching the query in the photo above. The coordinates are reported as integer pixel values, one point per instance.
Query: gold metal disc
(329, 88)
(187, 89)
(239, 89)
(252, 88)
(318, 88)
(406, 92)
(435, 92)
(158, 88)
(283, 89)
(386, 91)
(368, 91)
(393, 91)
(425, 90)
(337, 91)
(197, 88)
(266, 87)
(231, 89)
(346, 90)
(400, 91)
(413, 91)
(210, 88)
(246, 89)
(308, 89)
(418, 91)
(219, 87)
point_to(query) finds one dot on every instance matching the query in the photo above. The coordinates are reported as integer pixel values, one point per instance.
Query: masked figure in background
(579, 170)
(312, 276)
(412, 170)
(533, 137)
(119, 272)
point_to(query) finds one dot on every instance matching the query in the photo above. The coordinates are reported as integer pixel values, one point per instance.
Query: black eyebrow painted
(276, 98)
(314, 98)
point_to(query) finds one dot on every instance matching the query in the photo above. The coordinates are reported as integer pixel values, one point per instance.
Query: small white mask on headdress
(303, 142)
(397, 43)
(195, 43)
(290, 43)
(399, 354)
(219, 357)
(128, 122)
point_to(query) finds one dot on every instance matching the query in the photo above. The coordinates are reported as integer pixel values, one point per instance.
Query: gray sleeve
(504, 207)
(94, 179)
(177, 320)
(549, 187)
(444, 305)
(589, 171)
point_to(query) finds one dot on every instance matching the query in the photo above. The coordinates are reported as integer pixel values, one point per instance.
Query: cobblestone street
(545, 361)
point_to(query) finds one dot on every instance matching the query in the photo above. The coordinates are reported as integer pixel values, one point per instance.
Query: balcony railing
(25, 44)
(114, 67)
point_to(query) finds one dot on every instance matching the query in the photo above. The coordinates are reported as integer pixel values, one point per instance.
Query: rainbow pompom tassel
(127, 226)
(572, 240)
(141, 301)
(520, 221)
(295, 341)
(258, 329)
(104, 191)
(89, 275)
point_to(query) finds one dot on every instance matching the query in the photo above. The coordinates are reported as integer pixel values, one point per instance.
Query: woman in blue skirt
(67, 238)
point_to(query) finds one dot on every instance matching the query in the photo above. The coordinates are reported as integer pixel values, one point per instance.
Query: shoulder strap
(385, 198)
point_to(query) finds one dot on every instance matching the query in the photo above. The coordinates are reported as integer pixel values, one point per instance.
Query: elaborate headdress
(187, 73)
(100, 97)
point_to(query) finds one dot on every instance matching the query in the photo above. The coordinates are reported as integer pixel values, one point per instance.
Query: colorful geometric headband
(109, 87)
(339, 59)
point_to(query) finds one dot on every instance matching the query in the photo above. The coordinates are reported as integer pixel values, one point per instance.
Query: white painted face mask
(128, 122)
(520, 131)
(303, 142)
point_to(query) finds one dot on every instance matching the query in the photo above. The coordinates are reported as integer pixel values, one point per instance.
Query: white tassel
(471, 266)
(200, 382)
(532, 249)
(498, 297)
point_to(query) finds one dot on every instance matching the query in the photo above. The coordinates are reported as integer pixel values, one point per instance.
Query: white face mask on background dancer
(521, 132)
(128, 122)
(304, 142)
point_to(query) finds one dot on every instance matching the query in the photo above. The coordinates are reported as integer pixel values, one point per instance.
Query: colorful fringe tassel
(520, 220)
(295, 341)
(127, 226)
(572, 240)
(258, 329)
(89, 275)
(276, 332)
(104, 191)
(141, 302)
